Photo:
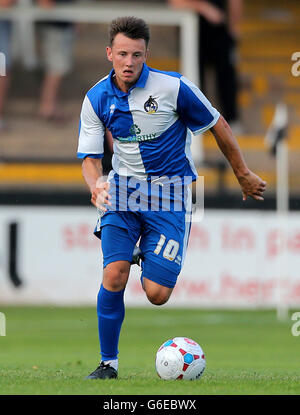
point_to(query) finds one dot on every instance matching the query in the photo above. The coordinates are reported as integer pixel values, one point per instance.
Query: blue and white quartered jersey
(151, 125)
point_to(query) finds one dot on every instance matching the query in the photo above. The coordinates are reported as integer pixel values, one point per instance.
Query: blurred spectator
(57, 47)
(56, 40)
(219, 33)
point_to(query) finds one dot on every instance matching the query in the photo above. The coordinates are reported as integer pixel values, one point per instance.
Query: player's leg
(163, 245)
(117, 247)
(111, 310)
(157, 294)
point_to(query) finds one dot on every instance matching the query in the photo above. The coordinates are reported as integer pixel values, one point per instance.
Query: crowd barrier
(235, 259)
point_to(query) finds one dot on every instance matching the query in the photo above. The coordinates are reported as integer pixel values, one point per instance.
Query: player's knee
(158, 295)
(115, 276)
(115, 282)
(157, 299)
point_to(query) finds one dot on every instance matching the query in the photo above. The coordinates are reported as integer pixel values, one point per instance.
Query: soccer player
(149, 114)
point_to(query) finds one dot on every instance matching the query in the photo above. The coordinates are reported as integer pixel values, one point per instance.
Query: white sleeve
(91, 132)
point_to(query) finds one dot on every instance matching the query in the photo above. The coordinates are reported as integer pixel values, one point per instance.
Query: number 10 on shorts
(171, 249)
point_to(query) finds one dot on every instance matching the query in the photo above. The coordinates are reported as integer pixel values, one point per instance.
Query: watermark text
(158, 194)
(296, 326)
(296, 66)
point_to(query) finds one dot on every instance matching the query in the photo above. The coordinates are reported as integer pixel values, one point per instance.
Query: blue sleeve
(194, 109)
(93, 156)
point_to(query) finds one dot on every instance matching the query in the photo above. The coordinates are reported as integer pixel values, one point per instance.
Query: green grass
(49, 350)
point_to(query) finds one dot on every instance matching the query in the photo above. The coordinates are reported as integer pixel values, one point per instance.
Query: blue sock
(111, 312)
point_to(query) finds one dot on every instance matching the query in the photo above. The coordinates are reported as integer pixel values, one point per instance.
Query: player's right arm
(93, 175)
(91, 150)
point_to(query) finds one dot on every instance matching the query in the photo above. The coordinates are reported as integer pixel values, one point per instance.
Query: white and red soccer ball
(180, 358)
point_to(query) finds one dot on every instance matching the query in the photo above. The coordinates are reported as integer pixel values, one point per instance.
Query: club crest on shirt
(151, 106)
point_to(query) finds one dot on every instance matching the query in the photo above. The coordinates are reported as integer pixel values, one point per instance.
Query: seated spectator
(57, 48)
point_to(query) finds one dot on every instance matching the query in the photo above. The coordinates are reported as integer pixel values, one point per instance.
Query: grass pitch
(50, 350)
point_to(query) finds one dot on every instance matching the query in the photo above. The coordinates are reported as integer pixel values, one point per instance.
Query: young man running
(149, 114)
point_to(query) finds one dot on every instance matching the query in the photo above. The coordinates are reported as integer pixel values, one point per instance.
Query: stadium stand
(35, 154)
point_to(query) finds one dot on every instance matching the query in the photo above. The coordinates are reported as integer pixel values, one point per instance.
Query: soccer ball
(180, 358)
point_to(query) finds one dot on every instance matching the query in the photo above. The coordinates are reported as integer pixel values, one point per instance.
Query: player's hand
(100, 196)
(252, 185)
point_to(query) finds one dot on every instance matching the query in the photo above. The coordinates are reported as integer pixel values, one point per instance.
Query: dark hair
(132, 27)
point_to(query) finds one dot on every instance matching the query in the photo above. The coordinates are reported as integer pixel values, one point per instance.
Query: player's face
(127, 56)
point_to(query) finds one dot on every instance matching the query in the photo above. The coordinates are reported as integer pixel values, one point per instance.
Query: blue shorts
(163, 241)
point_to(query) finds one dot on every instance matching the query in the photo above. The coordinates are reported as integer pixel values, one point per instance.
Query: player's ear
(146, 54)
(109, 53)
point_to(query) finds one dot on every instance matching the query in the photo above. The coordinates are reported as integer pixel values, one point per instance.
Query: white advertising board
(234, 259)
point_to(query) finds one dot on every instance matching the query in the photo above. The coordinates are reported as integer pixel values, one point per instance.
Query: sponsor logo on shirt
(136, 136)
(135, 130)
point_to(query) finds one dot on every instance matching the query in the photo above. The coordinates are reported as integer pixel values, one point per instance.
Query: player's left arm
(251, 184)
